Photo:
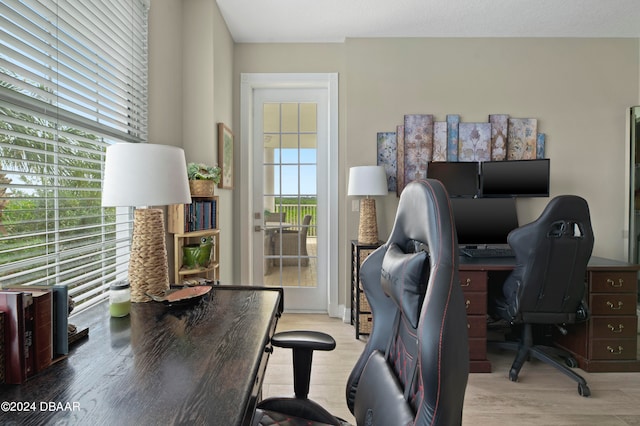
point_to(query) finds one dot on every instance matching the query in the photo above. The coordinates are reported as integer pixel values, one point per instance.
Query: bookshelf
(189, 223)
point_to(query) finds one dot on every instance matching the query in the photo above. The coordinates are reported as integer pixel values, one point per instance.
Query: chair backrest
(305, 226)
(275, 217)
(552, 253)
(415, 365)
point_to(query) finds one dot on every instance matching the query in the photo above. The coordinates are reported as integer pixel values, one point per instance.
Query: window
(73, 79)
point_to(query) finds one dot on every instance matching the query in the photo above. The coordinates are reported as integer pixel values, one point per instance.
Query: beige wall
(190, 91)
(578, 89)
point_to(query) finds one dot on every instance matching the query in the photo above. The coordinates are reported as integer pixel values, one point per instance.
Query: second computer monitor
(459, 178)
(484, 221)
(515, 178)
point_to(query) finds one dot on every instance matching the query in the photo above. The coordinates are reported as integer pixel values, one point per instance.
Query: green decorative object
(197, 255)
(200, 171)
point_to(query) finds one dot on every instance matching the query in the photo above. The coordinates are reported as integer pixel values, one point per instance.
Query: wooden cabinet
(361, 316)
(474, 286)
(189, 223)
(608, 340)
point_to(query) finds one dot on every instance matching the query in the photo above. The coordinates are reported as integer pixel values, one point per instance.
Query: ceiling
(322, 21)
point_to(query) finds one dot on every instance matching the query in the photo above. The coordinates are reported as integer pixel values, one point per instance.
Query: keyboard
(487, 252)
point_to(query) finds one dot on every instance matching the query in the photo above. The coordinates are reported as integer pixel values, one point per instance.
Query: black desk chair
(415, 365)
(548, 283)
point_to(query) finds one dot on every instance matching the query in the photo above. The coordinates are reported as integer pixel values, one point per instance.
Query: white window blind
(73, 80)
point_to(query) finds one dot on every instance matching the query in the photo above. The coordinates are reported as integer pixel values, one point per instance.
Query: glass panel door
(290, 129)
(289, 193)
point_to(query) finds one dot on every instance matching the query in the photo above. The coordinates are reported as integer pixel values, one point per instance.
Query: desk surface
(160, 365)
(508, 263)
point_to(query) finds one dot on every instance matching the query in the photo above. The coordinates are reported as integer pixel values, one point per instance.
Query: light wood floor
(543, 396)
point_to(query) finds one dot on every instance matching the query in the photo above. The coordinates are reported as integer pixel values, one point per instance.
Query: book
(60, 316)
(2, 348)
(16, 306)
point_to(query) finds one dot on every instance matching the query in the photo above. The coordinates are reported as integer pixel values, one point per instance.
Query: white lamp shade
(143, 174)
(367, 180)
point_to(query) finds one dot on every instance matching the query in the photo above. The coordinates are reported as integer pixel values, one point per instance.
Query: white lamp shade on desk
(144, 174)
(139, 175)
(367, 181)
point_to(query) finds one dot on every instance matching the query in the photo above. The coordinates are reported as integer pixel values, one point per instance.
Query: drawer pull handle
(467, 304)
(466, 283)
(614, 351)
(613, 329)
(468, 326)
(612, 283)
(613, 307)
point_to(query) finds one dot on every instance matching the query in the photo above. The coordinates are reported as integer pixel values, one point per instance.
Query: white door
(290, 130)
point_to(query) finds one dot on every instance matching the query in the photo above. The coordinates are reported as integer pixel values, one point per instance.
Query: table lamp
(142, 175)
(367, 181)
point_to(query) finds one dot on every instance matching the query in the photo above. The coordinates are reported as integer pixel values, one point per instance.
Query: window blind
(73, 80)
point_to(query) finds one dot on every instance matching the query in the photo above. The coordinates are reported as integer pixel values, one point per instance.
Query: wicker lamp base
(368, 227)
(148, 269)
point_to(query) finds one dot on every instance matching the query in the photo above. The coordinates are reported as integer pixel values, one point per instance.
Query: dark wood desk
(202, 364)
(606, 342)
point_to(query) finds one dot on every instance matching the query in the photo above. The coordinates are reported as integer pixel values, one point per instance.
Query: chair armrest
(304, 339)
(303, 343)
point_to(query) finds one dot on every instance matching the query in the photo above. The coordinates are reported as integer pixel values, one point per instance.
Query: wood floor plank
(542, 396)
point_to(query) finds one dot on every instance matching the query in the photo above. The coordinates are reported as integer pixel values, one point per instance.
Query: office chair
(548, 283)
(415, 365)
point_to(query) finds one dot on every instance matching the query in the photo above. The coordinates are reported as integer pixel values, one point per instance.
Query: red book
(42, 328)
(17, 308)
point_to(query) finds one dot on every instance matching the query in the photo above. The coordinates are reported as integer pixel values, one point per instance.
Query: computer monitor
(515, 178)
(459, 178)
(484, 221)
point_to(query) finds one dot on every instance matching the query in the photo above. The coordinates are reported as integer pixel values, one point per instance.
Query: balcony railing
(295, 213)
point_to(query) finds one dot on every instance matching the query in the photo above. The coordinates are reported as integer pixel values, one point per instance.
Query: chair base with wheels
(562, 360)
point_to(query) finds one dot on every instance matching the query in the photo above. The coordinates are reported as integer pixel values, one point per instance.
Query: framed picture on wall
(225, 156)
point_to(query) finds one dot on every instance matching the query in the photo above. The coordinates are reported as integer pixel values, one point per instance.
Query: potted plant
(202, 179)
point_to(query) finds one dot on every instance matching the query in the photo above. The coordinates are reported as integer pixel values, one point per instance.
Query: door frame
(248, 83)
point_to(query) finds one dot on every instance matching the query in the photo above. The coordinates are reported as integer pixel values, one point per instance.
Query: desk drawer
(478, 348)
(476, 303)
(613, 282)
(613, 304)
(473, 281)
(477, 326)
(614, 349)
(614, 327)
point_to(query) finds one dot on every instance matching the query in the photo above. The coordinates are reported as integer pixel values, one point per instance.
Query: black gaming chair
(548, 283)
(415, 365)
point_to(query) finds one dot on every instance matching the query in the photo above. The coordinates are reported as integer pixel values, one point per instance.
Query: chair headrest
(404, 278)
